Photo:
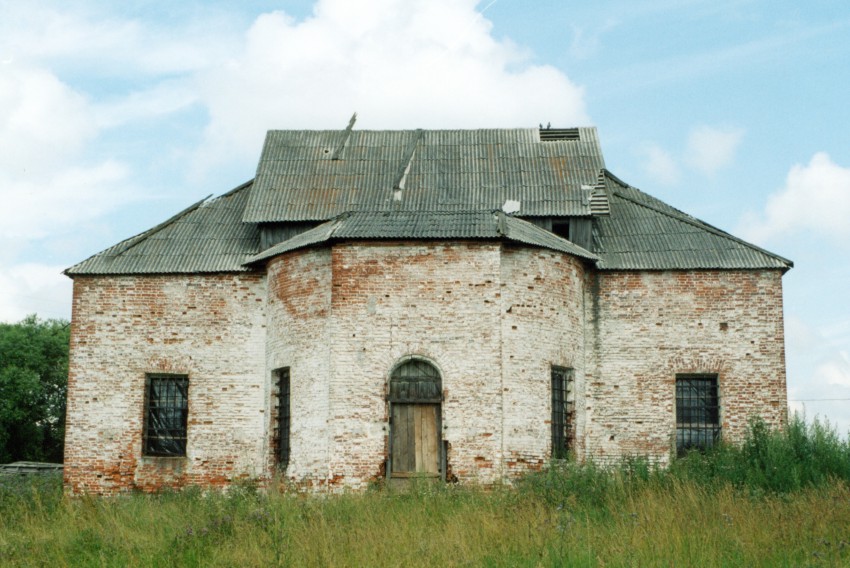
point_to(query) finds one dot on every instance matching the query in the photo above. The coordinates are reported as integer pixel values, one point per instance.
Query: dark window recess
(561, 227)
(563, 412)
(274, 233)
(166, 415)
(697, 412)
(282, 416)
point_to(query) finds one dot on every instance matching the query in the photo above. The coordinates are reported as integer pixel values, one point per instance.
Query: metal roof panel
(426, 225)
(207, 238)
(449, 170)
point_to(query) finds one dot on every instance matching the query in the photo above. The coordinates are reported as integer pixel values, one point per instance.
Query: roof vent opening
(555, 134)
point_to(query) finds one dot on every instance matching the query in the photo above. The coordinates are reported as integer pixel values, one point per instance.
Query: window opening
(283, 416)
(697, 412)
(166, 415)
(563, 412)
(561, 228)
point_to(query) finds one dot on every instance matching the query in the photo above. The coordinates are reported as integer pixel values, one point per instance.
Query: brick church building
(465, 305)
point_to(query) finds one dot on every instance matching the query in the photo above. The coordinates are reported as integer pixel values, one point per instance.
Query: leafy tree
(33, 380)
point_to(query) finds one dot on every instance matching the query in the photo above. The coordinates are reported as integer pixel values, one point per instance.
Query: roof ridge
(236, 189)
(179, 215)
(685, 218)
(157, 228)
(123, 246)
(413, 129)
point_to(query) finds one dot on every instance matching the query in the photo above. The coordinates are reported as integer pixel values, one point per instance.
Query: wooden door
(415, 440)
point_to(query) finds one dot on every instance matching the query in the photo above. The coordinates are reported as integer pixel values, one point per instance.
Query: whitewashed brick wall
(650, 326)
(209, 327)
(492, 317)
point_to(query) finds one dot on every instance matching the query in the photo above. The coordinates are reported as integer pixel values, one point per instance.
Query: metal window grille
(562, 412)
(166, 415)
(283, 416)
(697, 412)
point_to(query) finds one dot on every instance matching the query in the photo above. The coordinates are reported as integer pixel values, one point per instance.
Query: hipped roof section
(307, 175)
(209, 236)
(427, 225)
(644, 233)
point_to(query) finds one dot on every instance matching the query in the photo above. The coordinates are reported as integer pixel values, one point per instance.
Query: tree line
(33, 382)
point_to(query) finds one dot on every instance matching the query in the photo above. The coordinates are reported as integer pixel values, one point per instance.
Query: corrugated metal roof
(207, 237)
(426, 225)
(643, 233)
(450, 170)
(456, 180)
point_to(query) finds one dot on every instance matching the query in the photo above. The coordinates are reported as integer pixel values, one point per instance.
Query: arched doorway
(416, 393)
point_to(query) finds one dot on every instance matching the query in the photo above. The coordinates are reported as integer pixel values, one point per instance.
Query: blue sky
(114, 116)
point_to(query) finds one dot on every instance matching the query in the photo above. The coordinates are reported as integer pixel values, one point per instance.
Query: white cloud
(44, 128)
(48, 183)
(398, 63)
(837, 371)
(84, 34)
(35, 208)
(586, 41)
(34, 288)
(43, 122)
(816, 197)
(819, 370)
(710, 149)
(659, 164)
(162, 99)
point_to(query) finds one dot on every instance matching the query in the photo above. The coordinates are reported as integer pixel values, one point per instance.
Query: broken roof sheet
(317, 175)
(426, 225)
(207, 237)
(643, 233)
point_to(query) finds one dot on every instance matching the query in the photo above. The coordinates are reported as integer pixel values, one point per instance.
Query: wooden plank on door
(404, 458)
(427, 454)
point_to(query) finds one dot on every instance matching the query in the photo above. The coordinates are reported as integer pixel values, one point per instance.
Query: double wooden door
(415, 440)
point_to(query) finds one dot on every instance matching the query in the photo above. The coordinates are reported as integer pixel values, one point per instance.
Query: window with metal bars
(697, 412)
(282, 416)
(563, 411)
(166, 415)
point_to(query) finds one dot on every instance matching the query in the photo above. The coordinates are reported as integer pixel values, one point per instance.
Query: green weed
(780, 499)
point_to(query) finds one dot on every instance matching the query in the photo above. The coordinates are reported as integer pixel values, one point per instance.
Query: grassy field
(779, 500)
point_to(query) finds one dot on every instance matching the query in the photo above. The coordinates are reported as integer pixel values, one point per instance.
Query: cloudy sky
(116, 115)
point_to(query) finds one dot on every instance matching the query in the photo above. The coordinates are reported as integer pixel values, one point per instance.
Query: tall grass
(780, 499)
